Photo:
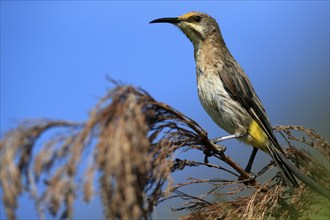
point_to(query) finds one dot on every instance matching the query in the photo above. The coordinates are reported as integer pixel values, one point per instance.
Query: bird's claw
(247, 180)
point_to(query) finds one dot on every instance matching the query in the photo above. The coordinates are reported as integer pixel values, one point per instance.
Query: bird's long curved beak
(166, 20)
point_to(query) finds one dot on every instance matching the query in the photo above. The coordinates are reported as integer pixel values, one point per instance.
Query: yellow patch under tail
(257, 137)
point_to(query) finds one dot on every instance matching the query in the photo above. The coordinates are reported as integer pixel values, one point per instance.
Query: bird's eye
(197, 18)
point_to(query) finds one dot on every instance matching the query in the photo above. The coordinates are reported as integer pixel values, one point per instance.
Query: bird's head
(197, 26)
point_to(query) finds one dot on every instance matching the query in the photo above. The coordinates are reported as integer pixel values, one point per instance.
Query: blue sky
(55, 57)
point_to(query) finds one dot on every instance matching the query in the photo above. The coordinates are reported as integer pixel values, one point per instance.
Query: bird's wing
(239, 87)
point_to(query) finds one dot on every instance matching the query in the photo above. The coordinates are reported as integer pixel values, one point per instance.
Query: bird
(227, 95)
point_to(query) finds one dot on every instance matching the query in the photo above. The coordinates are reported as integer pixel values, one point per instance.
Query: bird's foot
(219, 150)
(207, 154)
(246, 181)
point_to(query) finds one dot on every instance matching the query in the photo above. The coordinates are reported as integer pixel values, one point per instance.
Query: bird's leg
(239, 135)
(221, 148)
(219, 139)
(249, 164)
(253, 154)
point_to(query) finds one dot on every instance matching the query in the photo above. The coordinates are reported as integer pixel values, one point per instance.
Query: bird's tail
(290, 171)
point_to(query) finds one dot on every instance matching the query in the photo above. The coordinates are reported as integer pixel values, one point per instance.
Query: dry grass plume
(127, 150)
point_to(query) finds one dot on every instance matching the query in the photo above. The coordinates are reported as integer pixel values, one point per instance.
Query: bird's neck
(210, 54)
(213, 47)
